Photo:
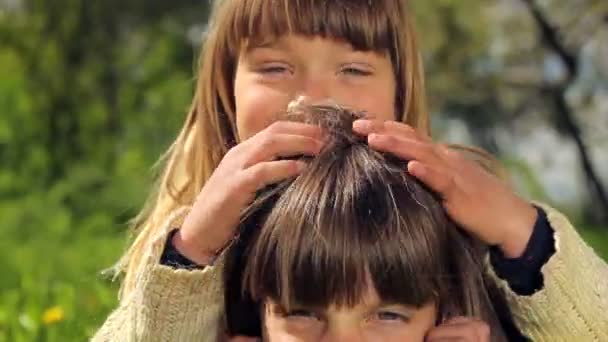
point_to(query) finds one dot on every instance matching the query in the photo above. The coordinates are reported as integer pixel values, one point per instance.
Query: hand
(478, 201)
(245, 169)
(462, 329)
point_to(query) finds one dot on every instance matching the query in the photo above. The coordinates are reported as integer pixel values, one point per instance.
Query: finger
(262, 174)
(467, 329)
(445, 339)
(453, 332)
(435, 178)
(405, 130)
(404, 148)
(272, 146)
(295, 128)
(366, 127)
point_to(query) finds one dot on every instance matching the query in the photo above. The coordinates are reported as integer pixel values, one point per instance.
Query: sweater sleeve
(168, 304)
(573, 302)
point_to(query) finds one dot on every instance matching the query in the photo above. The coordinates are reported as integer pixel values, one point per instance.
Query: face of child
(271, 75)
(371, 320)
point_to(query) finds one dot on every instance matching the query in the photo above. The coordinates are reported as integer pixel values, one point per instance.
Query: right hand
(245, 169)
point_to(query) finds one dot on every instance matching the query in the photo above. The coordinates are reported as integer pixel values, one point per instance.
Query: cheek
(414, 331)
(279, 330)
(381, 106)
(377, 99)
(257, 106)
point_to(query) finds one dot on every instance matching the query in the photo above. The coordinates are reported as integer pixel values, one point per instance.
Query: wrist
(519, 232)
(199, 253)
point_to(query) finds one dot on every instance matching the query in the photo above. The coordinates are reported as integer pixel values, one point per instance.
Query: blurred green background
(92, 92)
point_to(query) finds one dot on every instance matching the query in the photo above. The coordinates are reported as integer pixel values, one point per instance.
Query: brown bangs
(362, 23)
(330, 246)
(352, 220)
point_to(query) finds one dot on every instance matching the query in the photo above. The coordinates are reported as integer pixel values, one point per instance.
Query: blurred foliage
(91, 92)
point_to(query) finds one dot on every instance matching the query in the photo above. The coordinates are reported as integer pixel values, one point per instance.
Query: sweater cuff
(523, 274)
(173, 258)
(573, 302)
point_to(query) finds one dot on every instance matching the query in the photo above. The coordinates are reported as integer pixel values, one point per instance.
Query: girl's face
(272, 74)
(371, 320)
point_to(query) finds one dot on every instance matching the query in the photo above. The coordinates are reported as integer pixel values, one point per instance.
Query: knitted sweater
(180, 305)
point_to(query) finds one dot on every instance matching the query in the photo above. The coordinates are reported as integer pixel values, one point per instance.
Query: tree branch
(549, 36)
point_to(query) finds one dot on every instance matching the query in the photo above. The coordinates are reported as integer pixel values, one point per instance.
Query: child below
(354, 249)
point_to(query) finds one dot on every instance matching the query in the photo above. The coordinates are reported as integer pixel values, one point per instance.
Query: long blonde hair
(210, 127)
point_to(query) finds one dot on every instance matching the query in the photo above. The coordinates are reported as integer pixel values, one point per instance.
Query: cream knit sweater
(181, 305)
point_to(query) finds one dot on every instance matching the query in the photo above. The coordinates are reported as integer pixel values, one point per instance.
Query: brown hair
(210, 127)
(353, 213)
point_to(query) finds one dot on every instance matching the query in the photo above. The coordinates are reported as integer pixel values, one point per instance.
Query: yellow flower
(53, 315)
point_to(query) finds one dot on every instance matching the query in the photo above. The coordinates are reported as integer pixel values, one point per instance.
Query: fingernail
(301, 165)
(362, 125)
(415, 169)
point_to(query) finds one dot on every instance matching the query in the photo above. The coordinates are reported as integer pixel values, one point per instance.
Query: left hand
(478, 201)
(463, 329)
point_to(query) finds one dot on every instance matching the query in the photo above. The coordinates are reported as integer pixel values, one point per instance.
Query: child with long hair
(354, 249)
(258, 56)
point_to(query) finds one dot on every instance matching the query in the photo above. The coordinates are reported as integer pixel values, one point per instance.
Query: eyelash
(394, 316)
(382, 316)
(349, 71)
(356, 71)
(302, 314)
(273, 69)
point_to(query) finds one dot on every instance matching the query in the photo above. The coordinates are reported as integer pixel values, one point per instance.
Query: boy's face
(270, 76)
(371, 320)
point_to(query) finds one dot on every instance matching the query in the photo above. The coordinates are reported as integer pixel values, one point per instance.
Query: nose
(313, 89)
(343, 335)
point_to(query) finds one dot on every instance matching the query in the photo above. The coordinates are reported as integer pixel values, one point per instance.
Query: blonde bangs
(362, 23)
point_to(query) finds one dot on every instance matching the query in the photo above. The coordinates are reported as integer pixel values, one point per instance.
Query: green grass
(47, 275)
(597, 238)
